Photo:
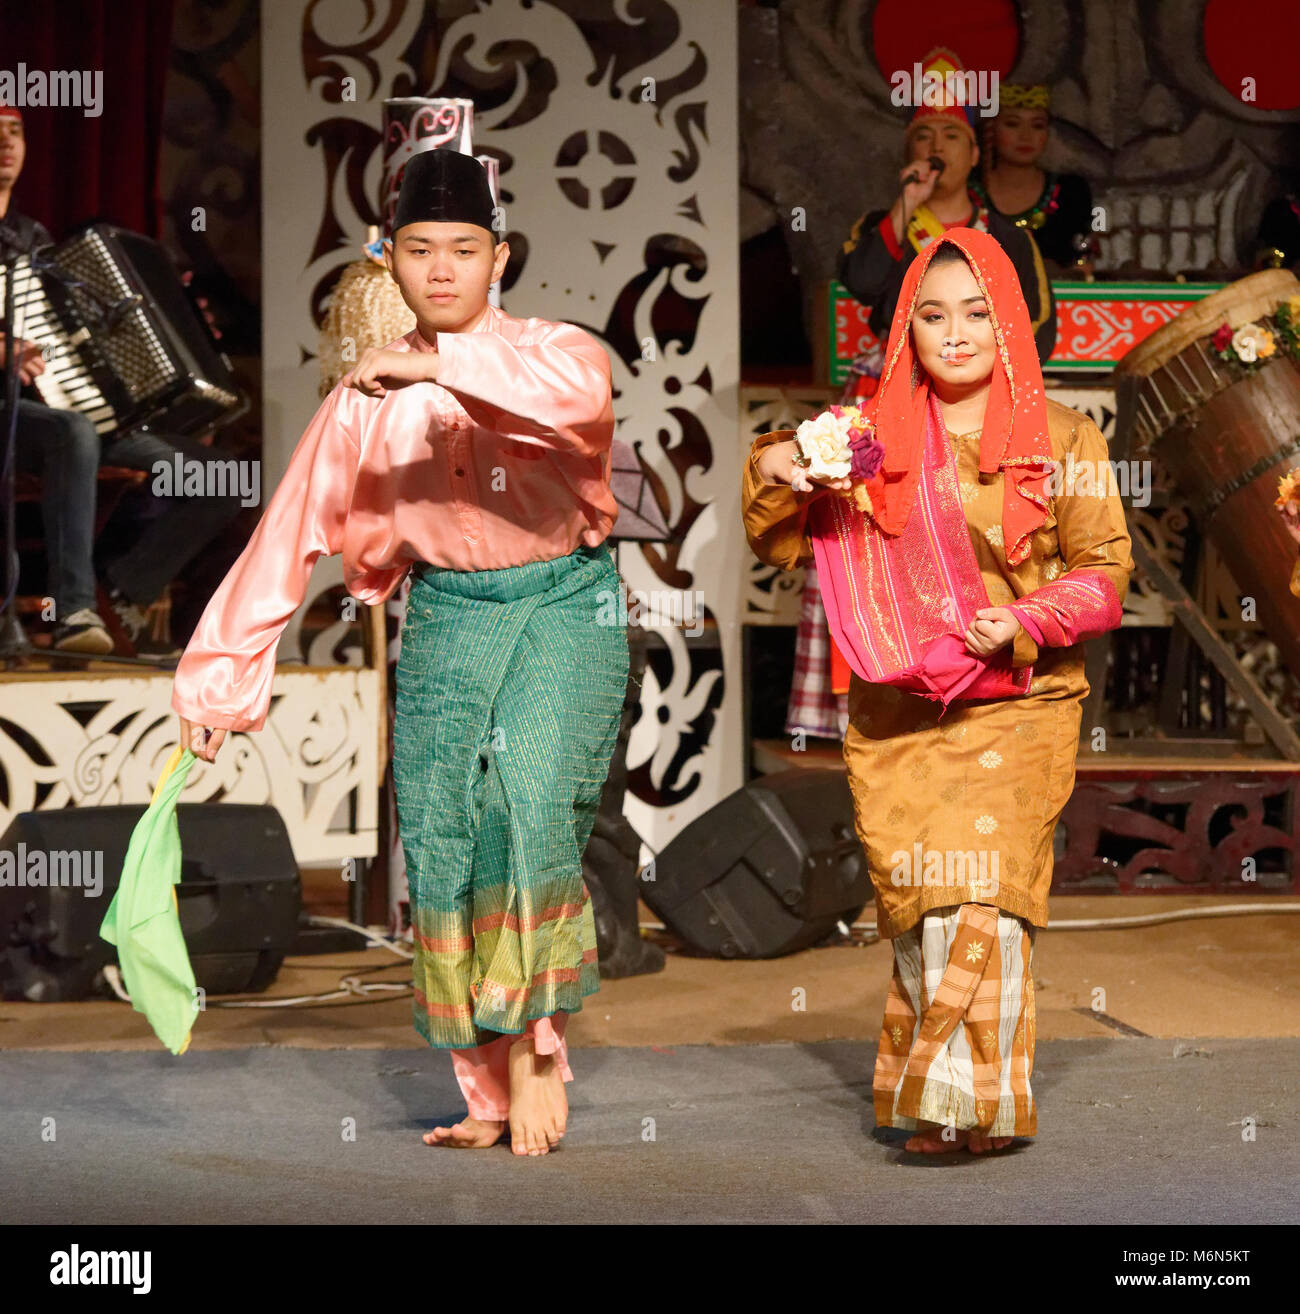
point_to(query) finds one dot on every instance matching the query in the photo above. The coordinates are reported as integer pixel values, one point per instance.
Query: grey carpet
(1130, 1131)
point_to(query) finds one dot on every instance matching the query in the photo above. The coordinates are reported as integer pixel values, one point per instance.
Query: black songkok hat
(444, 187)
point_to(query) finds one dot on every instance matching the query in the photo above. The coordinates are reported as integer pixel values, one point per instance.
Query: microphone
(935, 163)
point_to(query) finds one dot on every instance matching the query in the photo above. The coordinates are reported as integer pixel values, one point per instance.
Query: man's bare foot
(980, 1142)
(539, 1108)
(933, 1141)
(468, 1134)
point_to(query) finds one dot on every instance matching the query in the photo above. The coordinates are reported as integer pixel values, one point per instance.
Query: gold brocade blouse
(1084, 528)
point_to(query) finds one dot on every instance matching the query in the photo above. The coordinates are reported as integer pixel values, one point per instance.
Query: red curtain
(80, 168)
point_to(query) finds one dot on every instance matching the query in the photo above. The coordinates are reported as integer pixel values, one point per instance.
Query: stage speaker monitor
(767, 871)
(239, 897)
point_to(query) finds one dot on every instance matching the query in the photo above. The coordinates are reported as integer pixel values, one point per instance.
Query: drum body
(1226, 438)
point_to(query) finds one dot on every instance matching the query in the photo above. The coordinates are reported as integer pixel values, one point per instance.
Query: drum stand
(1189, 615)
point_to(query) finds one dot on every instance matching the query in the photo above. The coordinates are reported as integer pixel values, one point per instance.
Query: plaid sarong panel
(957, 1045)
(510, 691)
(814, 707)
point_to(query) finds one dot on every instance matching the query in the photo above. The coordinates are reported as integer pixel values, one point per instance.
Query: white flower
(990, 759)
(1246, 342)
(986, 825)
(824, 440)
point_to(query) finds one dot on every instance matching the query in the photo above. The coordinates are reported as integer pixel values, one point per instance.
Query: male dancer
(475, 453)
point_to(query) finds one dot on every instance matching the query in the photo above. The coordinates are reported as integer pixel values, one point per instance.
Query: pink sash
(898, 606)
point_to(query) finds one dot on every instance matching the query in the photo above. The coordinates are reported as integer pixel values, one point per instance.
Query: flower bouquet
(1287, 318)
(1249, 346)
(1288, 489)
(840, 443)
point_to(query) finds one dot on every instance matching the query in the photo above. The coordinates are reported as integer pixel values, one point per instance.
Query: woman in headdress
(1055, 207)
(964, 558)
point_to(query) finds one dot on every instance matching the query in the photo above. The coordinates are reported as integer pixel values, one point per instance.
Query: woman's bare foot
(468, 1134)
(980, 1142)
(933, 1141)
(539, 1108)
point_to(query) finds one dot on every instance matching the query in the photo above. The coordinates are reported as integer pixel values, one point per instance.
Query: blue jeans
(63, 447)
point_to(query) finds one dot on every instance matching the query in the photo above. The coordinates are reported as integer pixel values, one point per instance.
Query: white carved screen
(617, 137)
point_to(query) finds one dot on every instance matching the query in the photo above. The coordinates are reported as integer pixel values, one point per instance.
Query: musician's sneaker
(83, 631)
(138, 628)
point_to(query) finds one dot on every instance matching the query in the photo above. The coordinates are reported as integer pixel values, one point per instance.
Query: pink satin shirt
(504, 460)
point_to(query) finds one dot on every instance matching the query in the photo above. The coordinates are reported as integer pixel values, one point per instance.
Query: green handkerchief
(143, 920)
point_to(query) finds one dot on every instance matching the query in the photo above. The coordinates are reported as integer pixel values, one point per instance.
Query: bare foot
(468, 1134)
(980, 1142)
(932, 1141)
(539, 1108)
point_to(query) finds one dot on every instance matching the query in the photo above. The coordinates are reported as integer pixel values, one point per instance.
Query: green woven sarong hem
(510, 690)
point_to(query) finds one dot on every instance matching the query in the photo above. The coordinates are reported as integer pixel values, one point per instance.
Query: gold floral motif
(1027, 730)
(986, 824)
(968, 491)
(896, 1034)
(994, 535)
(920, 770)
(1036, 685)
(1020, 1034)
(895, 814)
(975, 951)
(951, 793)
(990, 1042)
(979, 1110)
(990, 758)
(1023, 795)
(1052, 569)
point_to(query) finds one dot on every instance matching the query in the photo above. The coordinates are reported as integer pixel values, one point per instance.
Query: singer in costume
(876, 257)
(474, 453)
(964, 559)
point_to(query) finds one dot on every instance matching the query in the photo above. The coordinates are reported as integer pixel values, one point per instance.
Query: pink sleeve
(554, 394)
(224, 677)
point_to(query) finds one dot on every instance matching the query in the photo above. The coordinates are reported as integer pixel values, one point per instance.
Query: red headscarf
(1014, 438)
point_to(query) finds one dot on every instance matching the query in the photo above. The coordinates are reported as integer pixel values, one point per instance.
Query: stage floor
(1130, 1131)
(1223, 977)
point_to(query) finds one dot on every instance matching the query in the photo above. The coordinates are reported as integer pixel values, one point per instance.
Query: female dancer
(963, 561)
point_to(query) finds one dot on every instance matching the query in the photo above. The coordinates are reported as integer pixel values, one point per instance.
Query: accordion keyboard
(67, 383)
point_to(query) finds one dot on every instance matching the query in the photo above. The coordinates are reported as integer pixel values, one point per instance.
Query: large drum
(1226, 437)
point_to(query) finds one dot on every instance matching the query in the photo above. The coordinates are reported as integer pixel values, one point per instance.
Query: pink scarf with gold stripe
(899, 605)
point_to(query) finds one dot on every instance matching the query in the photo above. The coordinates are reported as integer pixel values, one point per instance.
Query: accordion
(123, 342)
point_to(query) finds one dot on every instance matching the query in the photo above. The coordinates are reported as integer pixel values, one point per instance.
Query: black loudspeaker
(767, 871)
(239, 897)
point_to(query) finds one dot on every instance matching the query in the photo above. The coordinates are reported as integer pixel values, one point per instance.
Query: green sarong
(510, 690)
